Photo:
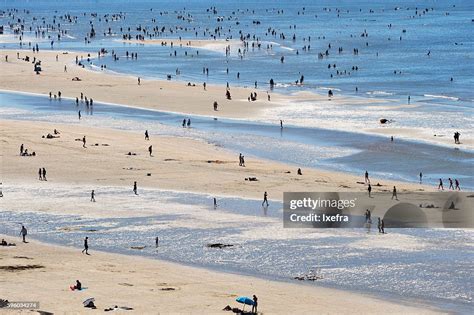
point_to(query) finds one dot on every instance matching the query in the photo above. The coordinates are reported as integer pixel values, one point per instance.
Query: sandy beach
(177, 157)
(177, 164)
(175, 96)
(150, 286)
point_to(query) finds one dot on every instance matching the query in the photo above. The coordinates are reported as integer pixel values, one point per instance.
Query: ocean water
(299, 146)
(442, 28)
(431, 266)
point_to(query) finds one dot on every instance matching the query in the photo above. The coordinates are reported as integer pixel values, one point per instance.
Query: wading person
(265, 199)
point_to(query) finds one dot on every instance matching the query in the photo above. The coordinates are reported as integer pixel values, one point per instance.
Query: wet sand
(218, 45)
(152, 286)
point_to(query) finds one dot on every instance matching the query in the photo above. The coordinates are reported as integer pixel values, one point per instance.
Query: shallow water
(431, 265)
(303, 147)
(444, 30)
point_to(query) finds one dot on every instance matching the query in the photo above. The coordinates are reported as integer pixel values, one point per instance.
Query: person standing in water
(456, 185)
(146, 135)
(135, 190)
(79, 114)
(281, 124)
(450, 183)
(421, 177)
(157, 242)
(92, 195)
(265, 199)
(23, 233)
(440, 185)
(86, 246)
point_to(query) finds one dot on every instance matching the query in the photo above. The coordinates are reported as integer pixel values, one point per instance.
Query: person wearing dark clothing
(382, 226)
(44, 174)
(150, 150)
(92, 196)
(265, 199)
(146, 135)
(86, 246)
(23, 233)
(84, 141)
(40, 174)
(157, 242)
(135, 190)
(451, 186)
(456, 185)
(440, 185)
(379, 225)
(255, 304)
(369, 189)
(394, 193)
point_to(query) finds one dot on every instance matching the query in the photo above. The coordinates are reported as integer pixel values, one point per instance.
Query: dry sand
(18, 75)
(114, 279)
(177, 163)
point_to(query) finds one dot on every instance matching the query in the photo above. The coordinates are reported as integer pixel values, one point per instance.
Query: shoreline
(172, 98)
(104, 273)
(405, 133)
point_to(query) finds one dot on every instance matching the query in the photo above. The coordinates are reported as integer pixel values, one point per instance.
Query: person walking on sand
(146, 135)
(84, 141)
(255, 304)
(366, 179)
(440, 185)
(40, 174)
(139, 81)
(394, 193)
(240, 159)
(421, 177)
(92, 195)
(150, 150)
(21, 149)
(135, 190)
(23, 233)
(382, 226)
(86, 246)
(456, 185)
(44, 174)
(369, 189)
(243, 161)
(265, 199)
